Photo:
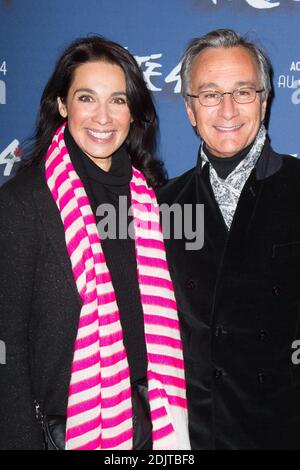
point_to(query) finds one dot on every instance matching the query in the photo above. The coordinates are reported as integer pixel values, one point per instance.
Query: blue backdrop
(34, 32)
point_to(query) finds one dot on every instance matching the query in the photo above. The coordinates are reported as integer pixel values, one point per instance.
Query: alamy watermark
(2, 352)
(177, 222)
(2, 92)
(296, 354)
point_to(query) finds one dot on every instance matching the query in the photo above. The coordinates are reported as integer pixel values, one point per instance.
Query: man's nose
(228, 108)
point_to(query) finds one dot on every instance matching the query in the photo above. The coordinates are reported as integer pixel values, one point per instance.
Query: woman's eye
(85, 98)
(119, 100)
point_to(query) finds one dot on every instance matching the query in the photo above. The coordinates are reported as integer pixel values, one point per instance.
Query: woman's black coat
(39, 309)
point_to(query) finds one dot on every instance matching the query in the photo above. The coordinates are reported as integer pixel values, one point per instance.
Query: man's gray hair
(225, 38)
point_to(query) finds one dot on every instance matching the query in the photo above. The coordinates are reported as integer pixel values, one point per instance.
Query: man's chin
(226, 151)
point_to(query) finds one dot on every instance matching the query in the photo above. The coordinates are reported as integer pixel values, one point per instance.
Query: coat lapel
(215, 228)
(244, 217)
(54, 229)
(245, 213)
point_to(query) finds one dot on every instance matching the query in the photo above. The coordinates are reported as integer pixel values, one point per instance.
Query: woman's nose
(102, 114)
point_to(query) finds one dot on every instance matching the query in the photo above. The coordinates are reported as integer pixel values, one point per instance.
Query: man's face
(228, 127)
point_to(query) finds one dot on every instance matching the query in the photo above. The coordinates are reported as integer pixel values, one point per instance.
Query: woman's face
(97, 110)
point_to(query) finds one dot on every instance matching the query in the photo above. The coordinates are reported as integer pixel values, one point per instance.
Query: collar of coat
(268, 163)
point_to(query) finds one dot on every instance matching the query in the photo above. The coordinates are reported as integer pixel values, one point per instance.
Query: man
(238, 297)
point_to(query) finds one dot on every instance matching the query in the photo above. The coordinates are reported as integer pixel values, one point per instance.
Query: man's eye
(85, 98)
(244, 92)
(210, 95)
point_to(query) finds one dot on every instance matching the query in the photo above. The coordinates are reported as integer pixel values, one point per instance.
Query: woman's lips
(102, 136)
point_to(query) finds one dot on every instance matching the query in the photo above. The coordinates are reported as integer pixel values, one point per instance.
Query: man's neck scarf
(227, 191)
(99, 411)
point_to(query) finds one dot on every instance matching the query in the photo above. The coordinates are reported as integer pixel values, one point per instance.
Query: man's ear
(190, 112)
(264, 105)
(62, 109)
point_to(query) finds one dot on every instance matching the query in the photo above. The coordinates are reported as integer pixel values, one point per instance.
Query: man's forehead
(235, 65)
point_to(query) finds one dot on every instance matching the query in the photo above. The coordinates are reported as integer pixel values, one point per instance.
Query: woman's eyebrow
(119, 93)
(86, 90)
(92, 92)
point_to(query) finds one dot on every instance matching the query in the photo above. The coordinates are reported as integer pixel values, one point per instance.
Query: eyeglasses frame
(222, 96)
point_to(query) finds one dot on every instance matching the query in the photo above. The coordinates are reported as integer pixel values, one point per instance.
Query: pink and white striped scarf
(99, 412)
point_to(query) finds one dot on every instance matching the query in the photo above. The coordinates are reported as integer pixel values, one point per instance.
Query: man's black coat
(239, 305)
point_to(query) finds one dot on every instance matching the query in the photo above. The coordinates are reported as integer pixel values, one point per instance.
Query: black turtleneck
(225, 165)
(105, 188)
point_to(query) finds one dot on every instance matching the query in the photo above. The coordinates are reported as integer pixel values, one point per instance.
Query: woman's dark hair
(141, 140)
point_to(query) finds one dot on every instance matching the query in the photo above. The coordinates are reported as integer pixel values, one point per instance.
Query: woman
(89, 322)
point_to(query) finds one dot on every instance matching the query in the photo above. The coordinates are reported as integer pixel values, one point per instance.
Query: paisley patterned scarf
(227, 191)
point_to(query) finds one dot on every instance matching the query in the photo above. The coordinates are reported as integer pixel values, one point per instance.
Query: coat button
(261, 377)
(218, 373)
(220, 330)
(276, 291)
(192, 284)
(262, 334)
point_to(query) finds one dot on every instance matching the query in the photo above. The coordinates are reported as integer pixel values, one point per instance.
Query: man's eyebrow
(246, 83)
(215, 86)
(209, 85)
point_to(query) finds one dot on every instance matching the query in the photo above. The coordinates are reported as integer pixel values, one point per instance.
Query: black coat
(39, 309)
(39, 312)
(239, 308)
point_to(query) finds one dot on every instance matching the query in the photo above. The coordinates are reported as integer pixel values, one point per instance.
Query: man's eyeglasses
(240, 95)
